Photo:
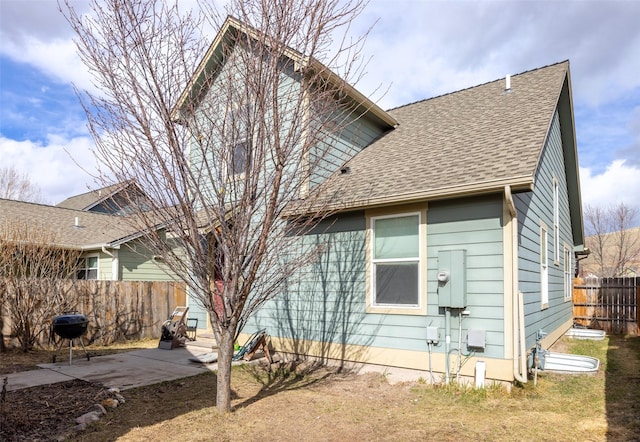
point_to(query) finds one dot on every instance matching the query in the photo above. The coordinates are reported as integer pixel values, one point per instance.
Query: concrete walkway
(124, 370)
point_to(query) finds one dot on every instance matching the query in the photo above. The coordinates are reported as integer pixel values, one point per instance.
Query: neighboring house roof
(94, 230)
(86, 201)
(214, 60)
(473, 141)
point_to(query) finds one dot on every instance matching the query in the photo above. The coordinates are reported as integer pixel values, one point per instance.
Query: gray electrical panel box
(476, 338)
(452, 278)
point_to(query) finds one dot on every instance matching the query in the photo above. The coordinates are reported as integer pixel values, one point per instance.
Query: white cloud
(429, 48)
(52, 166)
(56, 58)
(620, 182)
(36, 33)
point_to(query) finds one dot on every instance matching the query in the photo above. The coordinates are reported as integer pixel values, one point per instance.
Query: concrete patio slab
(31, 378)
(124, 370)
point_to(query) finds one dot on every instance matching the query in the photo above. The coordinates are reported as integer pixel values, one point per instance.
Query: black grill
(70, 325)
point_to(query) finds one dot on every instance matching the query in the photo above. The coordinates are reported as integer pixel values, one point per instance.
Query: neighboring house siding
(136, 264)
(120, 204)
(327, 301)
(105, 267)
(533, 209)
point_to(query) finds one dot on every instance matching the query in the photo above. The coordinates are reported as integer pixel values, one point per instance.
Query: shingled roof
(473, 141)
(93, 231)
(87, 200)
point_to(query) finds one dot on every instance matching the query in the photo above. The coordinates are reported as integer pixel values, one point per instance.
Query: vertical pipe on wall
(519, 350)
(429, 343)
(447, 342)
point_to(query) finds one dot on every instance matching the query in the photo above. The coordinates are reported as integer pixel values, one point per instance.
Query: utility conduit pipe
(519, 367)
(447, 342)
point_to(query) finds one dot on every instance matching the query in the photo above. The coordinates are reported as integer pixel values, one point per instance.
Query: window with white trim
(396, 261)
(568, 274)
(544, 267)
(88, 267)
(556, 221)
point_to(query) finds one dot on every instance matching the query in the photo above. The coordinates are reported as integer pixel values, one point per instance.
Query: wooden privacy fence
(122, 310)
(609, 304)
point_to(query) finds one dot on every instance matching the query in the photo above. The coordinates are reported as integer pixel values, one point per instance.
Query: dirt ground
(46, 412)
(314, 403)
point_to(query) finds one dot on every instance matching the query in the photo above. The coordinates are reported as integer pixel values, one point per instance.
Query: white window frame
(568, 273)
(556, 221)
(84, 268)
(544, 266)
(372, 307)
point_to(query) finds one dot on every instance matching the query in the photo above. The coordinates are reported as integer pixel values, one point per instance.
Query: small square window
(88, 268)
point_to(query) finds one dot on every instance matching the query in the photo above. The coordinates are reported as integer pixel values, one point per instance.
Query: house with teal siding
(112, 248)
(451, 241)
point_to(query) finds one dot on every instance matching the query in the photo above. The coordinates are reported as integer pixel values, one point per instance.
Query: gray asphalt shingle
(469, 141)
(94, 228)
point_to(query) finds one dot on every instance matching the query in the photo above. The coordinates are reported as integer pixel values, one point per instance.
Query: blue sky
(417, 50)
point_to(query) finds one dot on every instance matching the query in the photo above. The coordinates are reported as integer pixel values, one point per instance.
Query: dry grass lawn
(312, 404)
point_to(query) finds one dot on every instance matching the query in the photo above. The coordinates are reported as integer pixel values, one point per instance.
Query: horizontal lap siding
(327, 301)
(105, 271)
(342, 146)
(218, 105)
(534, 207)
(136, 264)
(473, 225)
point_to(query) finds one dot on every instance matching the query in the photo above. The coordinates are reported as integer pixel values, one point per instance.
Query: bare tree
(612, 242)
(222, 161)
(16, 186)
(34, 276)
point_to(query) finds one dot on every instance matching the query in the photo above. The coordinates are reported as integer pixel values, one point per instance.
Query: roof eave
(518, 184)
(176, 112)
(571, 158)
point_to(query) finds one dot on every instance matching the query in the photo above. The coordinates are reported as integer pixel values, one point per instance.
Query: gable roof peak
(469, 142)
(512, 76)
(196, 85)
(87, 200)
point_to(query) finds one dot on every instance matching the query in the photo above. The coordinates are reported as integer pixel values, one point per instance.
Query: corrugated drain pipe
(519, 368)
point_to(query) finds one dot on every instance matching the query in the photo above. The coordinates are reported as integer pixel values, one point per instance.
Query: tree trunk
(3, 348)
(225, 357)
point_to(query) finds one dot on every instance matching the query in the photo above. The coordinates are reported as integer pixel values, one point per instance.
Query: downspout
(115, 265)
(519, 368)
